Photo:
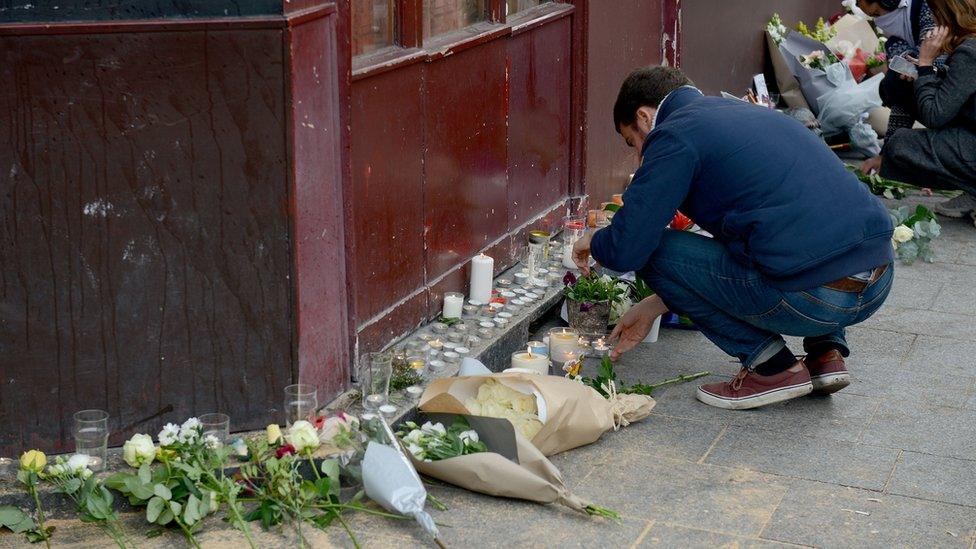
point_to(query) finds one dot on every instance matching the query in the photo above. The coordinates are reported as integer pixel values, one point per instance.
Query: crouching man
(800, 246)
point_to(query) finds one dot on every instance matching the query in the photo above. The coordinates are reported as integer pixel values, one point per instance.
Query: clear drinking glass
(301, 401)
(377, 369)
(91, 436)
(216, 424)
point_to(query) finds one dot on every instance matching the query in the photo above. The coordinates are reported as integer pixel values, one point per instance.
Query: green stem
(311, 461)
(438, 504)
(40, 513)
(186, 533)
(241, 523)
(352, 536)
(679, 379)
(330, 506)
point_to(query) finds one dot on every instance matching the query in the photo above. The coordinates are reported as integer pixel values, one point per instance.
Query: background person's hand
(581, 253)
(932, 46)
(871, 165)
(634, 326)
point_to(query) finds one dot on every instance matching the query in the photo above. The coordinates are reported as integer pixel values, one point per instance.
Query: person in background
(801, 247)
(942, 156)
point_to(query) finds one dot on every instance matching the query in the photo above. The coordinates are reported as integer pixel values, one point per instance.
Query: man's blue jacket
(760, 182)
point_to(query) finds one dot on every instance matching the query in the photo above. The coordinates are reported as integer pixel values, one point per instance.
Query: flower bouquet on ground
(914, 232)
(488, 456)
(554, 413)
(589, 300)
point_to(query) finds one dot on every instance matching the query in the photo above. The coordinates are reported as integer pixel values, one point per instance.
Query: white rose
(469, 437)
(303, 436)
(433, 428)
(78, 462)
(139, 449)
(903, 234)
(413, 437)
(167, 437)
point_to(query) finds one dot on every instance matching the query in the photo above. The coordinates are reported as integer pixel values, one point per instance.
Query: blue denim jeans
(739, 311)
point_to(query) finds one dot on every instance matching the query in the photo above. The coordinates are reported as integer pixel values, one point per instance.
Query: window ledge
(391, 58)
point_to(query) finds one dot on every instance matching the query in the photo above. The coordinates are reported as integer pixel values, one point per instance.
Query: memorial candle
(563, 345)
(482, 272)
(453, 304)
(531, 361)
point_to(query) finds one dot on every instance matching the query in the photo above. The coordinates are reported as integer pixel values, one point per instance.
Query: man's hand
(636, 323)
(581, 253)
(932, 46)
(871, 165)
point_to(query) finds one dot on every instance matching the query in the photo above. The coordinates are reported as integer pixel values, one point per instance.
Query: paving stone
(667, 535)
(902, 383)
(734, 501)
(937, 430)
(937, 478)
(916, 321)
(913, 291)
(795, 455)
(476, 520)
(941, 357)
(658, 436)
(967, 255)
(822, 515)
(957, 297)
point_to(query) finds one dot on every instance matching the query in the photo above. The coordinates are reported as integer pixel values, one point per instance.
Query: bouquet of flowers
(492, 458)
(589, 300)
(569, 413)
(914, 232)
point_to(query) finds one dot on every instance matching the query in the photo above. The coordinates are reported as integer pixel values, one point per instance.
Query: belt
(856, 285)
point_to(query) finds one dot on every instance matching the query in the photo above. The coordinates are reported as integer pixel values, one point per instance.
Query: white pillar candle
(568, 256)
(563, 345)
(531, 361)
(482, 272)
(453, 303)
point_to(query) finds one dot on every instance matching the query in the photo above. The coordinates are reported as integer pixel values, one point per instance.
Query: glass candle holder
(501, 322)
(417, 363)
(378, 369)
(456, 337)
(414, 392)
(563, 345)
(91, 436)
(451, 357)
(216, 424)
(439, 328)
(462, 351)
(504, 282)
(470, 310)
(301, 401)
(438, 368)
(388, 411)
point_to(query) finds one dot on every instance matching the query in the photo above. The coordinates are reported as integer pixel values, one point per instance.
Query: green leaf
(154, 509)
(145, 473)
(611, 207)
(138, 489)
(16, 520)
(330, 468)
(154, 533)
(117, 482)
(175, 507)
(165, 517)
(71, 486)
(162, 491)
(191, 511)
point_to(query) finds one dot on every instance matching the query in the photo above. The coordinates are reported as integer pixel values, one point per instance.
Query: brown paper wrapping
(576, 414)
(534, 478)
(789, 86)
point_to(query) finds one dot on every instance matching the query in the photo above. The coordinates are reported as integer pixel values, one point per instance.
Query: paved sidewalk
(888, 462)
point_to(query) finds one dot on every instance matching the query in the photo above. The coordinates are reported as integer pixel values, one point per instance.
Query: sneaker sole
(755, 401)
(830, 383)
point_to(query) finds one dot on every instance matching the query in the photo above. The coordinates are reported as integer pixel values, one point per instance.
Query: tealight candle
(519, 291)
(601, 348)
(456, 337)
(508, 295)
(504, 282)
(462, 351)
(504, 315)
(501, 322)
(437, 367)
(518, 302)
(538, 348)
(439, 328)
(414, 392)
(425, 337)
(470, 310)
(486, 332)
(477, 303)
(531, 361)
(450, 345)
(542, 272)
(435, 344)
(521, 278)
(388, 411)
(488, 311)
(531, 295)
(451, 357)
(416, 363)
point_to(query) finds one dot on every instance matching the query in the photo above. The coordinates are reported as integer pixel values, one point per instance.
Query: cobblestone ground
(888, 462)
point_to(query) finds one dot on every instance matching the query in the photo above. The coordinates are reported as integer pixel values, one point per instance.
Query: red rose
(285, 450)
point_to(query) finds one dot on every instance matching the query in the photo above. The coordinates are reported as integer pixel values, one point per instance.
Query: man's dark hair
(645, 87)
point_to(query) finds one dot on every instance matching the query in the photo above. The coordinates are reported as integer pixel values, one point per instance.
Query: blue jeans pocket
(785, 319)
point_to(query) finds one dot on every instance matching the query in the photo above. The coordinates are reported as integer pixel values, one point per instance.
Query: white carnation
(169, 434)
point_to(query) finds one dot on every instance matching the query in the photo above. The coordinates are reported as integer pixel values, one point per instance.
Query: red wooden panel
(387, 188)
(318, 229)
(465, 199)
(620, 38)
(539, 114)
(405, 318)
(144, 241)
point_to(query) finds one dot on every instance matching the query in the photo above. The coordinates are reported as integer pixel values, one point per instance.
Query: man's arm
(660, 185)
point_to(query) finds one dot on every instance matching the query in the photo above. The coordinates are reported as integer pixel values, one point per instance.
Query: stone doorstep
(495, 354)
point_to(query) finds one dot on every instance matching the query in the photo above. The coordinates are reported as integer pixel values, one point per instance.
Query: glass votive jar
(501, 323)
(439, 328)
(216, 424)
(470, 310)
(488, 311)
(417, 363)
(563, 345)
(486, 332)
(388, 411)
(473, 341)
(91, 437)
(456, 337)
(425, 337)
(301, 400)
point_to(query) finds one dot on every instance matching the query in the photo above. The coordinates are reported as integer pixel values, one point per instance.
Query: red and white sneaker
(751, 390)
(828, 374)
